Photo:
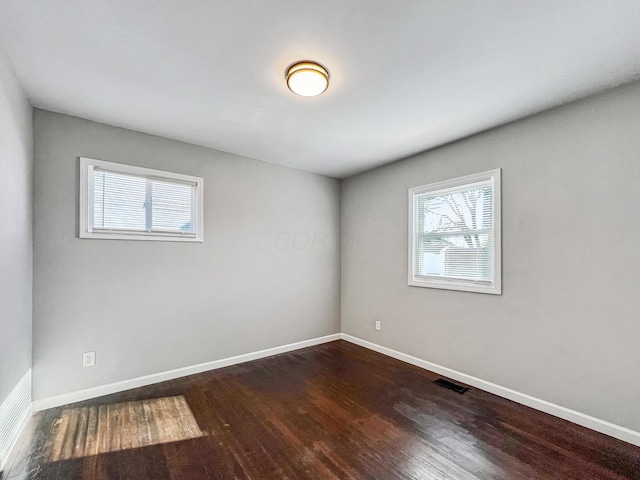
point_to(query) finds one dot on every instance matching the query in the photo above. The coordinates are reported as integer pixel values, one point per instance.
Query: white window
(133, 203)
(454, 234)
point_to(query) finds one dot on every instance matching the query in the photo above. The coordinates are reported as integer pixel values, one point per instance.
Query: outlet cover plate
(89, 359)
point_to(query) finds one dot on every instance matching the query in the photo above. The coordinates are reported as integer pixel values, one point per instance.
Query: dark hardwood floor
(334, 411)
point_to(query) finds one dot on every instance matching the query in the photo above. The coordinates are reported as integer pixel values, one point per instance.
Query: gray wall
(566, 328)
(267, 274)
(16, 164)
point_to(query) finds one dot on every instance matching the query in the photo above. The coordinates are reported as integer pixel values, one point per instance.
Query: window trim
(448, 283)
(86, 197)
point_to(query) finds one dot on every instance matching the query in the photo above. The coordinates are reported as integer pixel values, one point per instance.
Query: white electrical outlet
(89, 359)
(378, 326)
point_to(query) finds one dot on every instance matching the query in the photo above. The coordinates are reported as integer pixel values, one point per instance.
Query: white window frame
(450, 283)
(86, 203)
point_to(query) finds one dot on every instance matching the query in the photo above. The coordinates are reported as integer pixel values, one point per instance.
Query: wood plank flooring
(86, 431)
(334, 411)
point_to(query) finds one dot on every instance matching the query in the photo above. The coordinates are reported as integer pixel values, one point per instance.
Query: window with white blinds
(120, 201)
(454, 234)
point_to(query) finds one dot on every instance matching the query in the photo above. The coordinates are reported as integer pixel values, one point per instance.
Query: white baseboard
(86, 394)
(593, 423)
(15, 412)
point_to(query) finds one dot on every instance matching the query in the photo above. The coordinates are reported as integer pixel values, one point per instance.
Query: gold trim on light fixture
(307, 78)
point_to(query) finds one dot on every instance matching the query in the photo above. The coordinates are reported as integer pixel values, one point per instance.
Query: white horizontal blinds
(173, 206)
(137, 203)
(454, 233)
(118, 201)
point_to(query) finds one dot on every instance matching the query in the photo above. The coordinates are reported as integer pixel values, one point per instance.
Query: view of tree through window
(455, 234)
(454, 242)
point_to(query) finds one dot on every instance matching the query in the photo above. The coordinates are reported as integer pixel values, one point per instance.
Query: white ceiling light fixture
(307, 78)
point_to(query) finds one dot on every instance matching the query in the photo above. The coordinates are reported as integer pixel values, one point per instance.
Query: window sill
(459, 285)
(143, 237)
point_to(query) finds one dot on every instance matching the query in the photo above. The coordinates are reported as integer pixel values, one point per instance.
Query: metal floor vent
(451, 386)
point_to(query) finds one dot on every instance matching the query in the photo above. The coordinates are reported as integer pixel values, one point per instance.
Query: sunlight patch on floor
(82, 432)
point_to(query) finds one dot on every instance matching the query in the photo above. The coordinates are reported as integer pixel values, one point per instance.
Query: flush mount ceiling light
(307, 78)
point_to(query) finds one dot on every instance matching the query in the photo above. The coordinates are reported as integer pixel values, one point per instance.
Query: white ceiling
(406, 75)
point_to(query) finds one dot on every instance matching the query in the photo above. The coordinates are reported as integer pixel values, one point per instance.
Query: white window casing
(125, 202)
(455, 235)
